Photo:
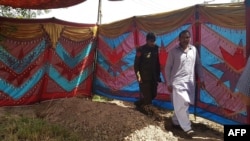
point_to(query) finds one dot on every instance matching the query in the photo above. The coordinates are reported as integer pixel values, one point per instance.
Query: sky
(87, 12)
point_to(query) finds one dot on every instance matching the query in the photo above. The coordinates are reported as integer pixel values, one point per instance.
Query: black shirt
(147, 63)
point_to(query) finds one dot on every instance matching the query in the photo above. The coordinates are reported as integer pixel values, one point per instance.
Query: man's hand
(138, 77)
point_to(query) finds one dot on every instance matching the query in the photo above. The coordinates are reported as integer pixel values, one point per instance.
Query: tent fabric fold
(164, 22)
(20, 31)
(218, 14)
(40, 4)
(158, 23)
(110, 30)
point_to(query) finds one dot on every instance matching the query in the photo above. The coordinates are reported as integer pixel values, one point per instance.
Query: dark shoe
(176, 127)
(137, 103)
(141, 109)
(148, 109)
(145, 109)
(190, 134)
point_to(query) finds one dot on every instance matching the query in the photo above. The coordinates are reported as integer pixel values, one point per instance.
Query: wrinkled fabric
(40, 4)
(243, 84)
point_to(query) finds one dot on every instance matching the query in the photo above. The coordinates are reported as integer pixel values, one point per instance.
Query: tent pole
(99, 14)
(197, 42)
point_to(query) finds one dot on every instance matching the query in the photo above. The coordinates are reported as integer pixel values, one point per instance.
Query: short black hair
(150, 36)
(183, 32)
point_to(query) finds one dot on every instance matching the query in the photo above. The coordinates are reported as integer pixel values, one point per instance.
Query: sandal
(190, 133)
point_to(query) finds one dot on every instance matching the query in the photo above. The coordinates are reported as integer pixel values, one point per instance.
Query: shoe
(190, 133)
(177, 127)
(141, 109)
(137, 103)
(148, 110)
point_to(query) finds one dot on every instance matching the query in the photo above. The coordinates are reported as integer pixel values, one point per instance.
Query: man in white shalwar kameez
(182, 64)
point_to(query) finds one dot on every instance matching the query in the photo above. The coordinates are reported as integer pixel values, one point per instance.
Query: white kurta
(180, 74)
(180, 70)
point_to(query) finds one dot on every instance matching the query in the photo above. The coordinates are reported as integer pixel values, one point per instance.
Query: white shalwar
(180, 74)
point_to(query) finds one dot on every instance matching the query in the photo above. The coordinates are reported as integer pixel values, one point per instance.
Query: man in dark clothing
(147, 70)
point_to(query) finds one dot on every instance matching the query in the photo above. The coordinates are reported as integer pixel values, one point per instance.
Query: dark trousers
(148, 91)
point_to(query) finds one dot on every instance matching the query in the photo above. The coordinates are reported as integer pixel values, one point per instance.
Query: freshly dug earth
(115, 120)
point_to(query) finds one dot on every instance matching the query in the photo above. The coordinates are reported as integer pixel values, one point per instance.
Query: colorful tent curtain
(219, 32)
(218, 14)
(55, 59)
(45, 59)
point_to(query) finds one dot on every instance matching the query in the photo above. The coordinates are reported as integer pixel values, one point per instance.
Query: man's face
(184, 39)
(151, 43)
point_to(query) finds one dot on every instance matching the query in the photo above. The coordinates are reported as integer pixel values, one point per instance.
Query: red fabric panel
(17, 80)
(17, 71)
(31, 97)
(40, 4)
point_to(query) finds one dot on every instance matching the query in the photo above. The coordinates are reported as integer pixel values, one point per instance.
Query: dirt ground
(114, 121)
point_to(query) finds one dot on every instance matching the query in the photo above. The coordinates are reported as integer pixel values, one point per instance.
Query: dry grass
(17, 128)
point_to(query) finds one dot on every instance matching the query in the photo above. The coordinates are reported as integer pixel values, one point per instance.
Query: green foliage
(98, 98)
(7, 11)
(16, 128)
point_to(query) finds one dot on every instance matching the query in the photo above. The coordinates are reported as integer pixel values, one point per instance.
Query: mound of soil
(114, 120)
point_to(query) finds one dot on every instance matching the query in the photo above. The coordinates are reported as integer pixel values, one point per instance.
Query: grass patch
(98, 98)
(16, 128)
